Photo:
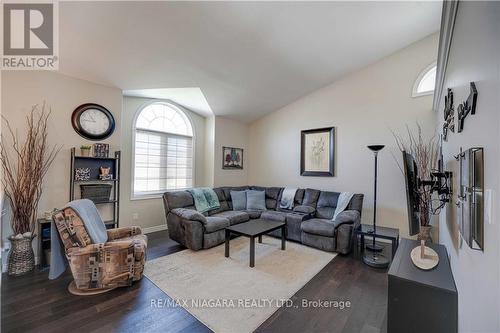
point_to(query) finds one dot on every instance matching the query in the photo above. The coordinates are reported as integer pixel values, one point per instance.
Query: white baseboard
(156, 228)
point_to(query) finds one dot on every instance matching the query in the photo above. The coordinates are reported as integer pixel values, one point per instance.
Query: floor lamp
(373, 257)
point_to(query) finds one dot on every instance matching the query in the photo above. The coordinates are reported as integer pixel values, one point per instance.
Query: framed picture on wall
(232, 158)
(317, 152)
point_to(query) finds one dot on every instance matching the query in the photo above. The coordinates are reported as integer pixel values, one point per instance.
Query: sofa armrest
(189, 214)
(304, 209)
(187, 227)
(348, 217)
(123, 232)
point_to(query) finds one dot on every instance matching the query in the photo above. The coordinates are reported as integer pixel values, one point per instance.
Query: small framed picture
(232, 158)
(317, 152)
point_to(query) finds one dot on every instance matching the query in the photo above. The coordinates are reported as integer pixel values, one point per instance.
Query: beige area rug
(225, 293)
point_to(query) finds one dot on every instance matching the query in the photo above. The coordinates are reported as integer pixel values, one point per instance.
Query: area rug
(225, 293)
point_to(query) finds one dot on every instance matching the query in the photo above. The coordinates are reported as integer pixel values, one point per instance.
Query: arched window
(426, 82)
(163, 151)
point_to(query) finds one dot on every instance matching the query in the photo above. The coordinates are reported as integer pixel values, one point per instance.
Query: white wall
(230, 133)
(22, 89)
(475, 56)
(209, 150)
(363, 107)
(150, 212)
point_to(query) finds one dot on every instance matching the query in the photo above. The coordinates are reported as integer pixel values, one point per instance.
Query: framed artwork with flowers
(317, 157)
(232, 158)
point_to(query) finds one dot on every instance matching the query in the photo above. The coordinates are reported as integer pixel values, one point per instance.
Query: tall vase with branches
(425, 151)
(25, 164)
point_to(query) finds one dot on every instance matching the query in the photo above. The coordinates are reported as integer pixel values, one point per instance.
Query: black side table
(43, 239)
(391, 234)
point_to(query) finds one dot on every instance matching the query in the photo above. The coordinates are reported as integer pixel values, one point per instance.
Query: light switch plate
(488, 199)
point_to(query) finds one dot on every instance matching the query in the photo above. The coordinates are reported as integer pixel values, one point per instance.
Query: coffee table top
(255, 227)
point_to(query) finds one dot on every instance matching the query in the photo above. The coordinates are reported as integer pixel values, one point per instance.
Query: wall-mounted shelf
(94, 163)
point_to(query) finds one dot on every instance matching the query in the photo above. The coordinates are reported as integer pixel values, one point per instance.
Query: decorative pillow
(239, 199)
(256, 200)
(304, 209)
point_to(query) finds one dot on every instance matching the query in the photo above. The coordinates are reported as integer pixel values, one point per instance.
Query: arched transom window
(163, 152)
(426, 82)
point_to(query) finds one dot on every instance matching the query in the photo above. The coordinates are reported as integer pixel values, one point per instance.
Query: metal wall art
(449, 115)
(466, 107)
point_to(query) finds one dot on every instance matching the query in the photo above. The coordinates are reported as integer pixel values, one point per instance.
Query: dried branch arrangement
(426, 154)
(24, 165)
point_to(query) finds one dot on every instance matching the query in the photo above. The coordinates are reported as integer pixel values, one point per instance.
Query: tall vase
(425, 233)
(425, 226)
(21, 259)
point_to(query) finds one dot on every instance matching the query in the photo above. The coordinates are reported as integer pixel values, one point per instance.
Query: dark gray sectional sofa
(310, 222)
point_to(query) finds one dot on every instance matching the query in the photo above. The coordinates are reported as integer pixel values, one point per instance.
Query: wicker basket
(21, 256)
(96, 192)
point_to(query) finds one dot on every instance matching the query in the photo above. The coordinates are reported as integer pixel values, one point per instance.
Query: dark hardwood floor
(32, 303)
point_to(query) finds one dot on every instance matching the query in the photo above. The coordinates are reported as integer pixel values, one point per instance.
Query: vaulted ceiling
(248, 58)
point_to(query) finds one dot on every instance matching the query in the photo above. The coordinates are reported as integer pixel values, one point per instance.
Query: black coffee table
(252, 229)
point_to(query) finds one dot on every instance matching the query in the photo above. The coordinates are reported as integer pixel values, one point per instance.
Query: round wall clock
(93, 121)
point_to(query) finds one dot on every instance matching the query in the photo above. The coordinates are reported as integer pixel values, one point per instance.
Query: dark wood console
(418, 300)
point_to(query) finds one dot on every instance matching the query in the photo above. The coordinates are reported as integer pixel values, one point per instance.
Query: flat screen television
(412, 193)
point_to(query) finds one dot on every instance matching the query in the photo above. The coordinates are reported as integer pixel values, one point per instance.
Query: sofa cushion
(356, 202)
(320, 227)
(327, 202)
(254, 214)
(304, 209)
(234, 217)
(311, 197)
(215, 223)
(256, 200)
(299, 197)
(239, 199)
(297, 200)
(272, 195)
(273, 215)
(226, 190)
(222, 201)
(177, 199)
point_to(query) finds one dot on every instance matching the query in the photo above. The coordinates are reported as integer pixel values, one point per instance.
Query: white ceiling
(248, 58)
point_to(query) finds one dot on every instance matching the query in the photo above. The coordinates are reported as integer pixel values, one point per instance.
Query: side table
(366, 230)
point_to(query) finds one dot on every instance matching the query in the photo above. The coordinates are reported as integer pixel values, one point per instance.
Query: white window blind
(163, 160)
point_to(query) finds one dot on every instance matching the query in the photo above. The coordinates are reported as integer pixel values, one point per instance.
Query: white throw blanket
(342, 203)
(288, 197)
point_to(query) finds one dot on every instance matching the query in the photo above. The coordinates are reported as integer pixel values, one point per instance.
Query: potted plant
(425, 153)
(25, 164)
(85, 150)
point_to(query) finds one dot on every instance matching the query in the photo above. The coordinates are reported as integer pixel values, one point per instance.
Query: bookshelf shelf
(94, 163)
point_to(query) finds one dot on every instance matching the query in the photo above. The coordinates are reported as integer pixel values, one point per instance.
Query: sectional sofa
(310, 222)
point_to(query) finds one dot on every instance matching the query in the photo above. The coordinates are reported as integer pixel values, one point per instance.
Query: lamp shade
(376, 147)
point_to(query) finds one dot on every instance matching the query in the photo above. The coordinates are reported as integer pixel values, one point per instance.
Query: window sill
(154, 195)
(146, 197)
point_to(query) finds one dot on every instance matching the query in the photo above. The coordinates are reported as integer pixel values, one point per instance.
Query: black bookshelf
(94, 163)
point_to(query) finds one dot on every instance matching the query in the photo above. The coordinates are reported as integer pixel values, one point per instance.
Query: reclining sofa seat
(201, 231)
